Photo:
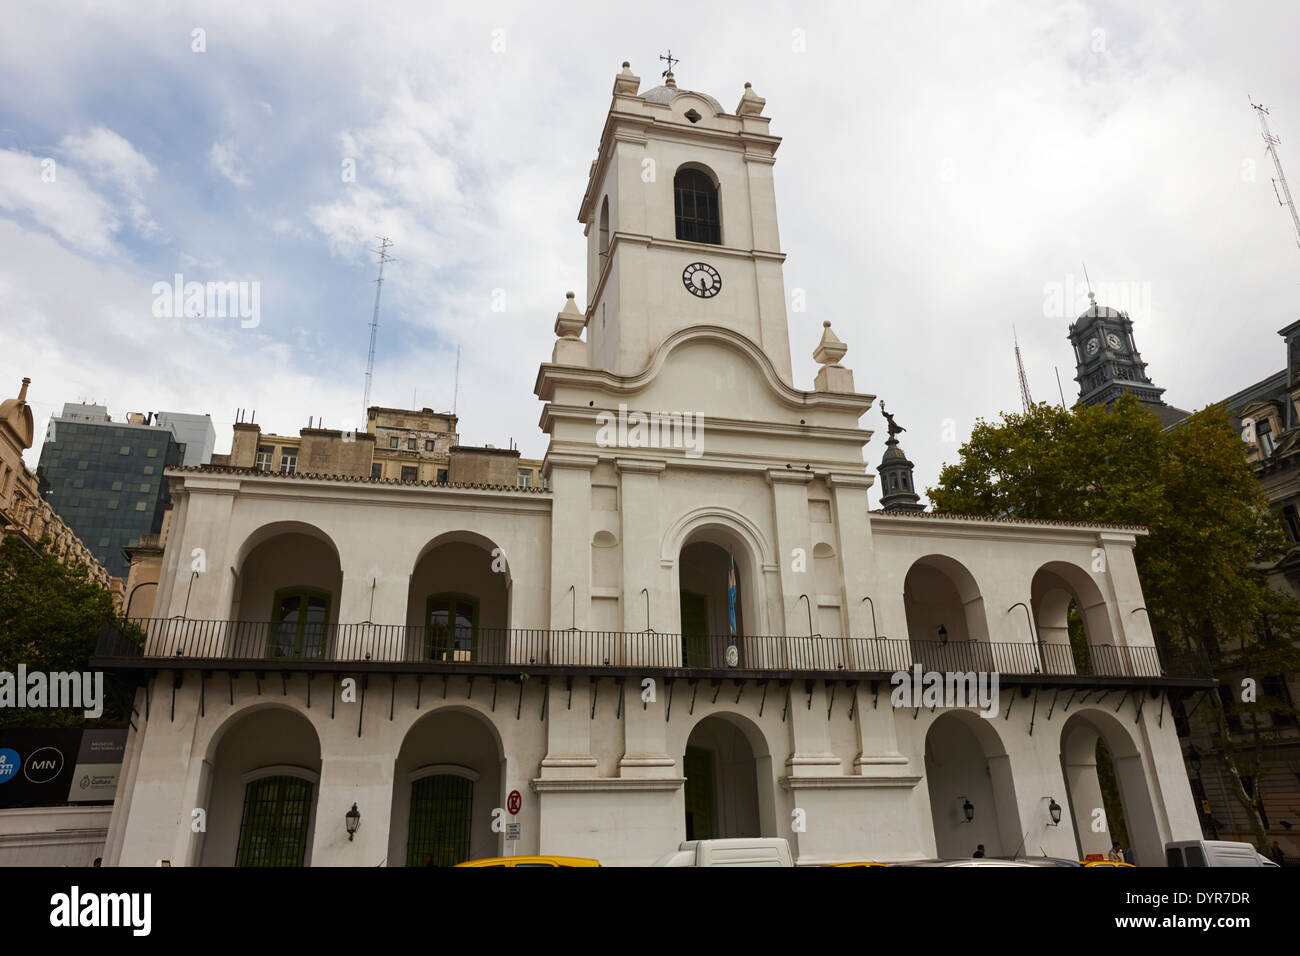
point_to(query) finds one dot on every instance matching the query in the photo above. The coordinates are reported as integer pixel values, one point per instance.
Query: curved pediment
(705, 364)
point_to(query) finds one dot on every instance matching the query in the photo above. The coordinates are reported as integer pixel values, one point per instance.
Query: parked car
(1106, 863)
(858, 864)
(1042, 860)
(532, 861)
(1187, 853)
(758, 851)
(972, 861)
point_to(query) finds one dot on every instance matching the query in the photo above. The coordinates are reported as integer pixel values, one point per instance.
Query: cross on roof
(670, 60)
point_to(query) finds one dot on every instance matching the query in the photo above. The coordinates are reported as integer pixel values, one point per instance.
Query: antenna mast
(1280, 187)
(384, 257)
(456, 388)
(1025, 400)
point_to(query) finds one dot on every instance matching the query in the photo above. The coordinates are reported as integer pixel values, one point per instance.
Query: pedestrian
(1116, 855)
(1279, 857)
(979, 852)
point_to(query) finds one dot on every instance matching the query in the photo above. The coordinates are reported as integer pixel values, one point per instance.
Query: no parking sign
(514, 802)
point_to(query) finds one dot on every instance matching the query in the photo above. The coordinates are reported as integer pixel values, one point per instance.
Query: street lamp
(353, 820)
(1054, 809)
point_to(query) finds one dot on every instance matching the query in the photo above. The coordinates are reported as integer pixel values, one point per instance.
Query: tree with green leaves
(1211, 533)
(50, 618)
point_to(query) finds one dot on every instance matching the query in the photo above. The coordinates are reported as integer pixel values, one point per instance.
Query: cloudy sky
(946, 169)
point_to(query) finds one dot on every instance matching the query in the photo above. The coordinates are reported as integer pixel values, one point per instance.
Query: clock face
(702, 279)
(1112, 340)
(1092, 346)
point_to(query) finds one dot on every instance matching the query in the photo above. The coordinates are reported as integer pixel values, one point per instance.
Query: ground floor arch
(972, 794)
(726, 764)
(1090, 770)
(446, 785)
(259, 790)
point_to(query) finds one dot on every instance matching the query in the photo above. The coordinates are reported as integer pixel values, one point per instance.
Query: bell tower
(680, 219)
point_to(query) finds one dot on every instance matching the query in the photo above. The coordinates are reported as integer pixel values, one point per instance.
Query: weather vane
(671, 60)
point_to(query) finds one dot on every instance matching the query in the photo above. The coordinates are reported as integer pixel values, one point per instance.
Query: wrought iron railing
(254, 642)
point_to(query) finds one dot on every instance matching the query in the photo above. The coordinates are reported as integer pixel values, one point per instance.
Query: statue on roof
(894, 427)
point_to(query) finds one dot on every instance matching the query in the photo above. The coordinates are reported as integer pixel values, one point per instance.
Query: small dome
(665, 94)
(1099, 311)
(893, 453)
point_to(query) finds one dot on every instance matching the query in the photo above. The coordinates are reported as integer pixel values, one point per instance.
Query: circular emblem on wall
(733, 655)
(43, 765)
(9, 764)
(702, 279)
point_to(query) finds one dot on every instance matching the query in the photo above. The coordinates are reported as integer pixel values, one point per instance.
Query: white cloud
(940, 165)
(108, 158)
(57, 198)
(224, 157)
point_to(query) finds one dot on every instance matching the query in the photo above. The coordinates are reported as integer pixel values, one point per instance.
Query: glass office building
(105, 479)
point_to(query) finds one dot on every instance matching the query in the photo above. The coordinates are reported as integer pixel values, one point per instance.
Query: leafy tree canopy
(50, 617)
(1208, 518)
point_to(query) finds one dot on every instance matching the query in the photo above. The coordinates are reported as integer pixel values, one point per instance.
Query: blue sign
(9, 763)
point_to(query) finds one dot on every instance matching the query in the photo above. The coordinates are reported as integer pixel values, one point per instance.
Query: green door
(701, 824)
(695, 629)
(451, 628)
(300, 619)
(439, 828)
(273, 829)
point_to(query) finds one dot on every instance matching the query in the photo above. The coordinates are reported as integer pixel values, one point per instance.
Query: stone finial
(626, 83)
(670, 81)
(830, 349)
(751, 104)
(569, 323)
(22, 392)
(832, 376)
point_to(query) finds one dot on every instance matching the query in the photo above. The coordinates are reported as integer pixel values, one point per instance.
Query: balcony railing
(259, 643)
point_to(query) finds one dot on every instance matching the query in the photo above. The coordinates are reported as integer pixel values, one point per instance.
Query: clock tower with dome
(1108, 364)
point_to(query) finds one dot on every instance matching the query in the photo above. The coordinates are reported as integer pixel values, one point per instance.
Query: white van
(756, 851)
(1213, 853)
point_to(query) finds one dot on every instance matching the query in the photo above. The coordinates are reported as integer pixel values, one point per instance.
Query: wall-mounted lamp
(968, 809)
(943, 635)
(1054, 809)
(353, 820)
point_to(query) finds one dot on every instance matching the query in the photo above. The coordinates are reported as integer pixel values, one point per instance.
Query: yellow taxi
(859, 864)
(1104, 863)
(532, 861)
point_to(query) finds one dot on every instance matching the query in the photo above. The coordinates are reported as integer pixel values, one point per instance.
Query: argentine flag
(731, 596)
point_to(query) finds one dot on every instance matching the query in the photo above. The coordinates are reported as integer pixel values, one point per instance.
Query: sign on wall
(54, 767)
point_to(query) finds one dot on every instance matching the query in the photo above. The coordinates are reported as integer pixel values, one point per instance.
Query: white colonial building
(422, 651)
